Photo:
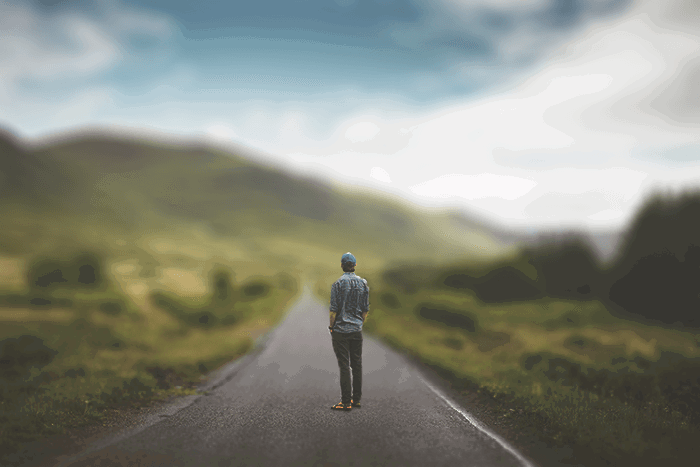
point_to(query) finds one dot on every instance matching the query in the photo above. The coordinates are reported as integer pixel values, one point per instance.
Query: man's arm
(365, 301)
(334, 303)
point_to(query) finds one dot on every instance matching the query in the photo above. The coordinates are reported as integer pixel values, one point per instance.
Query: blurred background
(518, 180)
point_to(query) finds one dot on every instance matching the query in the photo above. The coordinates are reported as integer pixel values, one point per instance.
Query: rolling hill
(111, 187)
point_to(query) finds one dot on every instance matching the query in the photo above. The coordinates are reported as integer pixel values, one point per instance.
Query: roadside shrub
(217, 309)
(223, 288)
(566, 267)
(659, 287)
(19, 359)
(405, 280)
(452, 318)
(83, 271)
(665, 221)
(505, 284)
(187, 314)
(390, 300)
(256, 289)
(647, 279)
(19, 355)
(112, 308)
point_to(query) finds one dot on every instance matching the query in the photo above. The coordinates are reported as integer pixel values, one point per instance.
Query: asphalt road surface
(272, 408)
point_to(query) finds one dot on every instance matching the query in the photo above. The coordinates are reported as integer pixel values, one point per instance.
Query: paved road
(272, 408)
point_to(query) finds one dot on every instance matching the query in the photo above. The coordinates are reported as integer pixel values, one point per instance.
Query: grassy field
(614, 391)
(71, 353)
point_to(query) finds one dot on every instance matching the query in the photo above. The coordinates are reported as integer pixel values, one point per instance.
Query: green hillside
(117, 187)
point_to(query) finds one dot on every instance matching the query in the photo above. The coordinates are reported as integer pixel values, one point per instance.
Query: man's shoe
(341, 406)
(356, 405)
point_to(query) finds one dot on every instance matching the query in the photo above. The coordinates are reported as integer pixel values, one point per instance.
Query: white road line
(504, 444)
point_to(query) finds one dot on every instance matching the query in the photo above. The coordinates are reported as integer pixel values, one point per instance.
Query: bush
(19, 355)
(664, 222)
(390, 300)
(223, 289)
(647, 279)
(256, 289)
(405, 279)
(659, 287)
(453, 318)
(504, 285)
(218, 309)
(566, 267)
(176, 307)
(83, 271)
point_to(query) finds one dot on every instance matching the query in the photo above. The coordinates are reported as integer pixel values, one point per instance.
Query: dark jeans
(348, 350)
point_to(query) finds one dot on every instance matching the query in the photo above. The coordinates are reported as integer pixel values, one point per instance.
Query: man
(349, 308)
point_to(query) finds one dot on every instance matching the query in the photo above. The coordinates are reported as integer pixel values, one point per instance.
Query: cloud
(485, 185)
(362, 131)
(576, 143)
(585, 108)
(487, 42)
(221, 132)
(53, 58)
(39, 49)
(380, 174)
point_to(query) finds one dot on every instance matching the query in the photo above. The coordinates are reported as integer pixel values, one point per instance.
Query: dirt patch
(184, 281)
(12, 273)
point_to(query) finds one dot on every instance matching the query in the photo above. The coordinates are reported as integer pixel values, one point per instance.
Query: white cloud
(221, 133)
(571, 145)
(38, 49)
(380, 174)
(485, 185)
(47, 61)
(69, 44)
(607, 215)
(361, 131)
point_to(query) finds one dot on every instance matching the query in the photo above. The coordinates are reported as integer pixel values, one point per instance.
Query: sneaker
(356, 405)
(341, 406)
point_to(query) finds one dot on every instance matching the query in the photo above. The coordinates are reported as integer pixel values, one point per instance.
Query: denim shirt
(349, 299)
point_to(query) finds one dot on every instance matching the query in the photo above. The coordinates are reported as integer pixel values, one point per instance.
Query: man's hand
(332, 317)
(364, 316)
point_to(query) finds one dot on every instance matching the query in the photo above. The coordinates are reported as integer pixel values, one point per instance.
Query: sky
(556, 114)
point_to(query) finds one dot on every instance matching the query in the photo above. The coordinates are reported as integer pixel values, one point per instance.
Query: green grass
(79, 359)
(611, 389)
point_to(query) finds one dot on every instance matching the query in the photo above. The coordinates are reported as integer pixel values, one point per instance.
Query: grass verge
(73, 363)
(562, 372)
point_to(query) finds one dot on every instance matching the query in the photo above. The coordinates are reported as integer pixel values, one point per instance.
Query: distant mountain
(604, 243)
(139, 185)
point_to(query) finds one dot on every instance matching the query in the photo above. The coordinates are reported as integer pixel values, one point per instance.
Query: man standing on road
(349, 308)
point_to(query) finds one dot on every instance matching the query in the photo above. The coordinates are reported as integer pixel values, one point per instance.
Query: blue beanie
(348, 258)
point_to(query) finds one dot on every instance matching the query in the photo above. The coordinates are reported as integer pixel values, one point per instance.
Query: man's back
(349, 299)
